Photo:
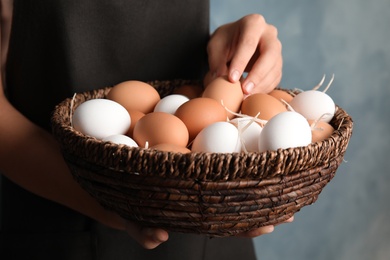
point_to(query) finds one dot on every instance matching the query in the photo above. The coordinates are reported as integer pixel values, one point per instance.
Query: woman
(53, 48)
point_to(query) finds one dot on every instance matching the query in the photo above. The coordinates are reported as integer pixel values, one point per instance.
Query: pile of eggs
(218, 118)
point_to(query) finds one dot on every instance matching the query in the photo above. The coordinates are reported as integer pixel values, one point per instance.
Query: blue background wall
(350, 38)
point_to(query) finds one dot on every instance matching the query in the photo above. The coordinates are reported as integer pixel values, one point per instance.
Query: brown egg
(320, 130)
(228, 93)
(266, 105)
(190, 91)
(281, 95)
(170, 148)
(135, 116)
(159, 127)
(198, 113)
(135, 95)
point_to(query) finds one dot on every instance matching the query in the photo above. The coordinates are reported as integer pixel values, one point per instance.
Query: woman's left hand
(247, 45)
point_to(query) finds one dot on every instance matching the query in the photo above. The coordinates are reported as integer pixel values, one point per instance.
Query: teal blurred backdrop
(350, 38)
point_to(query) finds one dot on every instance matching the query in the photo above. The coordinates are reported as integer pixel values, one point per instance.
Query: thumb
(149, 238)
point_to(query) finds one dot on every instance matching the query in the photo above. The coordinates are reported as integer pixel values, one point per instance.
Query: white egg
(100, 118)
(285, 130)
(249, 132)
(314, 105)
(170, 103)
(219, 137)
(121, 139)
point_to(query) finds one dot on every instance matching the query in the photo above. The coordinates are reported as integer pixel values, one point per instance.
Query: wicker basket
(208, 193)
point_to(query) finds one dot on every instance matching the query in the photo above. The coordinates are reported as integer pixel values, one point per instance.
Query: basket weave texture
(215, 194)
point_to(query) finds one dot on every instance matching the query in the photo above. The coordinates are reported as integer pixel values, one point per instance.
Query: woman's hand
(262, 230)
(149, 238)
(247, 45)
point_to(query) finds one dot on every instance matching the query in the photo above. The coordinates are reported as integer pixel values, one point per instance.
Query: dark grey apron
(59, 47)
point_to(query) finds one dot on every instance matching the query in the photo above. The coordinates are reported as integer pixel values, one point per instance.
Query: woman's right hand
(149, 238)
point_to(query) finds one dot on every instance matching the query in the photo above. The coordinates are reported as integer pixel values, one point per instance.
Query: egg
(249, 132)
(219, 137)
(314, 105)
(121, 139)
(135, 95)
(171, 148)
(285, 130)
(159, 127)
(135, 116)
(228, 93)
(170, 103)
(320, 130)
(266, 105)
(200, 112)
(280, 94)
(189, 90)
(101, 118)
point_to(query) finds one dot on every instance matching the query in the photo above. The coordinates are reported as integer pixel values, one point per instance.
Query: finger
(251, 30)
(263, 230)
(257, 232)
(270, 81)
(269, 60)
(290, 220)
(149, 238)
(218, 50)
(153, 237)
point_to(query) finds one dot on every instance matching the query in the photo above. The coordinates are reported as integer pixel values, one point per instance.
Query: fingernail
(155, 236)
(249, 87)
(270, 229)
(235, 75)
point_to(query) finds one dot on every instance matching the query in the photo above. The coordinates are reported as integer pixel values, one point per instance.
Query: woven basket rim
(192, 165)
(217, 194)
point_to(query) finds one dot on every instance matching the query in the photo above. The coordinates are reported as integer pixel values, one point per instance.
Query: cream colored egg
(285, 130)
(314, 105)
(101, 118)
(249, 131)
(121, 139)
(219, 137)
(169, 104)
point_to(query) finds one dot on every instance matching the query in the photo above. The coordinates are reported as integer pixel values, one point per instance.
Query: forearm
(30, 157)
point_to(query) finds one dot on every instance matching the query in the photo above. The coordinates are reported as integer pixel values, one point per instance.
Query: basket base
(214, 212)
